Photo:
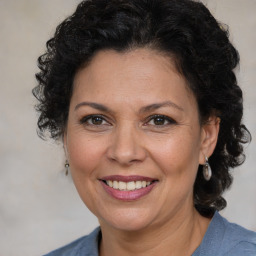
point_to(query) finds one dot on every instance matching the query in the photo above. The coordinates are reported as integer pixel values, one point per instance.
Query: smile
(128, 188)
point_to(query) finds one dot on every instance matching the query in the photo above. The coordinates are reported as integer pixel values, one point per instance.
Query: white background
(39, 207)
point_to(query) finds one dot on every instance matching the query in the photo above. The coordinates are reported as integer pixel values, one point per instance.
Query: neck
(178, 237)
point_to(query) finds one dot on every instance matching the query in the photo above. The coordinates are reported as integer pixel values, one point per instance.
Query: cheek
(177, 155)
(177, 158)
(84, 154)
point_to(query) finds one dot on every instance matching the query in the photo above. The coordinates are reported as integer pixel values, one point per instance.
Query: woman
(144, 97)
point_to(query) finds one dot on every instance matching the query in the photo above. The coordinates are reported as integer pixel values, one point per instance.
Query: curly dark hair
(182, 29)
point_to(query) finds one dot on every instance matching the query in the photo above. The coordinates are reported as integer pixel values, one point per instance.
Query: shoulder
(86, 245)
(223, 238)
(245, 248)
(238, 240)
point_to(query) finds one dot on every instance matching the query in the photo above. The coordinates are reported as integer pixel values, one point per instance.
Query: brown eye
(96, 120)
(160, 120)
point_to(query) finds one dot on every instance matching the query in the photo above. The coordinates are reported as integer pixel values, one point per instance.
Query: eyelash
(165, 118)
(85, 120)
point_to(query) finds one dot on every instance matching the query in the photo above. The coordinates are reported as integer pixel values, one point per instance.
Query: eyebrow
(156, 106)
(144, 109)
(93, 105)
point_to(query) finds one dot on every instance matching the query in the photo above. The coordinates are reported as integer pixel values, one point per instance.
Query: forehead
(138, 76)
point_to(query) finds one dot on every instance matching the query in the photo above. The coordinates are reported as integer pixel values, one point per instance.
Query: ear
(209, 138)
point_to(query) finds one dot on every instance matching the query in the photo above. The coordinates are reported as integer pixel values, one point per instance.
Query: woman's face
(133, 139)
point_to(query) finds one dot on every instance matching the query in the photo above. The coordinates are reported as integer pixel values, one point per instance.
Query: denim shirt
(221, 239)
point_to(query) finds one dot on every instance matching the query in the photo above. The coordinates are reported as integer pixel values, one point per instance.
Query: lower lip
(128, 195)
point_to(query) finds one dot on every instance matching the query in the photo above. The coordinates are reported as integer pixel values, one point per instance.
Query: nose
(126, 146)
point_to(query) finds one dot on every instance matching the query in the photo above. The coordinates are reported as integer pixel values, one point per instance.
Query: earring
(207, 171)
(66, 167)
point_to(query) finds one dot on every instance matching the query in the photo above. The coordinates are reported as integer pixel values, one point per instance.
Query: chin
(128, 220)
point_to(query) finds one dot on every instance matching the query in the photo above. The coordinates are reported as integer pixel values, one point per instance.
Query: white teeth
(122, 185)
(138, 184)
(131, 185)
(115, 184)
(110, 183)
(128, 186)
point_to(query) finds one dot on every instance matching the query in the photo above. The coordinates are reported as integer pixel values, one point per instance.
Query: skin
(129, 141)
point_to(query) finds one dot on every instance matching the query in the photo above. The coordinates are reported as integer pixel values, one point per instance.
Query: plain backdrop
(39, 207)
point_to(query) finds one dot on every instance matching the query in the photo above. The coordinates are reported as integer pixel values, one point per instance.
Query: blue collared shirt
(221, 239)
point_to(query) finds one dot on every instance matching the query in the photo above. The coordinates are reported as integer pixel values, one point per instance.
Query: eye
(160, 120)
(94, 120)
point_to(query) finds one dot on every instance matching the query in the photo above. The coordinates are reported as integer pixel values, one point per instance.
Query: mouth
(128, 188)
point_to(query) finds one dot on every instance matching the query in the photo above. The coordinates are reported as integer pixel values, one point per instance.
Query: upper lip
(127, 178)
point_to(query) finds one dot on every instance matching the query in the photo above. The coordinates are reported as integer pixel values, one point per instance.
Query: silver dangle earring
(66, 167)
(207, 171)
